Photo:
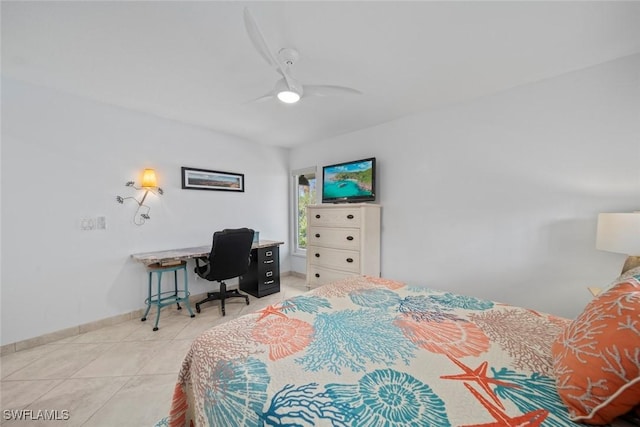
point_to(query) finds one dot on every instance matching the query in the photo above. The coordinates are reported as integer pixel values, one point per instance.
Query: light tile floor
(121, 375)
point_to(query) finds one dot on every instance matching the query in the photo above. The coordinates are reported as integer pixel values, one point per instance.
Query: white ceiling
(193, 61)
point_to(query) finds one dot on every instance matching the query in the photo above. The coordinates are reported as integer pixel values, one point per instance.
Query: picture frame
(205, 179)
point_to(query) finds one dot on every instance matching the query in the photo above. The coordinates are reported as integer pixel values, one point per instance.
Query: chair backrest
(230, 253)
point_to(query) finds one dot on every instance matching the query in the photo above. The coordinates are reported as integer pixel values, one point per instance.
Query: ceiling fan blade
(329, 90)
(258, 39)
(262, 98)
(259, 42)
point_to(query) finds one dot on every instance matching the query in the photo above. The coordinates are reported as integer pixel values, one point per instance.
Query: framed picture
(203, 179)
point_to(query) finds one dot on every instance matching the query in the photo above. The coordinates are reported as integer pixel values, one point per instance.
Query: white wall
(498, 197)
(495, 198)
(65, 158)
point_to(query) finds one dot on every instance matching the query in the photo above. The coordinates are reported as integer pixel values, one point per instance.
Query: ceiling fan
(287, 89)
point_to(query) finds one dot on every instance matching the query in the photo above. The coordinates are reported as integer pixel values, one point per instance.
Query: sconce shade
(619, 232)
(149, 179)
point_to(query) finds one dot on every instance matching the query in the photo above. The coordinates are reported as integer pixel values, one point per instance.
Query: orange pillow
(596, 359)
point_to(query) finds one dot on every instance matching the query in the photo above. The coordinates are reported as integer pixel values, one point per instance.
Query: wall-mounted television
(349, 182)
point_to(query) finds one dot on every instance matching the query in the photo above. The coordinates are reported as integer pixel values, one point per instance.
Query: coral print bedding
(373, 352)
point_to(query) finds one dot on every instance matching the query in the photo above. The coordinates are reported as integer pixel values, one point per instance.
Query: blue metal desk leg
(144, 317)
(175, 281)
(155, 327)
(186, 291)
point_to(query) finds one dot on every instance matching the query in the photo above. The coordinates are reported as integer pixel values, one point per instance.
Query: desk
(263, 277)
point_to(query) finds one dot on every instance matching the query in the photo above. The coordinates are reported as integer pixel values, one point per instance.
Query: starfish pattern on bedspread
(479, 376)
(530, 419)
(373, 352)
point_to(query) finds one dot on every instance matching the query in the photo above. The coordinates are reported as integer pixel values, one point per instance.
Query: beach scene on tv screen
(350, 180)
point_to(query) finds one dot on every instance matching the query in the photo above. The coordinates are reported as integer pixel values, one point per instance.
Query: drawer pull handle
(349, 216)
(349, 238)
(318, 216)
(269, 282)
(317, 235)
(317, 274)
(269, 261)
(317, 255)
(269, 273)
(268, 253)
(349, 259)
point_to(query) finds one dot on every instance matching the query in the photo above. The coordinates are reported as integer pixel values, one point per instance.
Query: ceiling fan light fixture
(288, 96)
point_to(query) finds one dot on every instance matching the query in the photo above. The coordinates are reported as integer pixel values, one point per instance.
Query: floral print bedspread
(373, 352)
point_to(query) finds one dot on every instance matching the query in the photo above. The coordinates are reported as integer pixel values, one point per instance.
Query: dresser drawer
(334, 258)
(341, 238)
(320, 276)
(340, 217)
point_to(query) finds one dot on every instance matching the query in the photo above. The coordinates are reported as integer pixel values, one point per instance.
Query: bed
(368, 351)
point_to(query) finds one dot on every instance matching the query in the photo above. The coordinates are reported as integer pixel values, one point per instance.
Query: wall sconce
(149, 184)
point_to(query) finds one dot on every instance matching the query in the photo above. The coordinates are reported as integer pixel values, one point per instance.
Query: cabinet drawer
(268, 259)
(263, 276)
(334, 258)
(266, 274)
(269, 282)
(341, 217)
(319, 276)
(268, 254)
(342, 238)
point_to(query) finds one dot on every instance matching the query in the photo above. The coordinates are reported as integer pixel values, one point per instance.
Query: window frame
(296, 250)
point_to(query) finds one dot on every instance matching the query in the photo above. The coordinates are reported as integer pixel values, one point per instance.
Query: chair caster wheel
(192, 316)
(143, 319)
(155, 329)
(179, 308)
(223, 313)
(198, 308)
(247, 302)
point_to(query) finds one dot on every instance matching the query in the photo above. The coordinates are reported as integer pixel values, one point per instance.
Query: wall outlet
(87, 224)
(101, 223)
(93, 223)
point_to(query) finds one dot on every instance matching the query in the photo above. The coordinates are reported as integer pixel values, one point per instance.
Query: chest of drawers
(342, 240)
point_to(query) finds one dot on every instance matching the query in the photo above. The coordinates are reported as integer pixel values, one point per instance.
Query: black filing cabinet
(263, 277)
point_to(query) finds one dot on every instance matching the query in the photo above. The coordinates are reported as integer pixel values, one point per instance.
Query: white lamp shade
(619, 232)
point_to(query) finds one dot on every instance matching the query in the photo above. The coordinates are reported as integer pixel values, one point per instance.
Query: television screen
(353, 181)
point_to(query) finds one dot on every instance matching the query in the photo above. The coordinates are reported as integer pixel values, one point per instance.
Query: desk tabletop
(187, 253)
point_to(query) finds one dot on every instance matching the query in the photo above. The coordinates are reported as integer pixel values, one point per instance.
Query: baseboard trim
(96, 324)
(296, 274)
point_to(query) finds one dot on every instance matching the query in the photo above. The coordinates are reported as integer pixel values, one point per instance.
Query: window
(304, 184)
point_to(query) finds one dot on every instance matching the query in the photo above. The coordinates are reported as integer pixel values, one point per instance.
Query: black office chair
(229, 258)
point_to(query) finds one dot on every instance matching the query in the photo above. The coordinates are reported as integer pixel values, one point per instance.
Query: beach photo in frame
(203, 179)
